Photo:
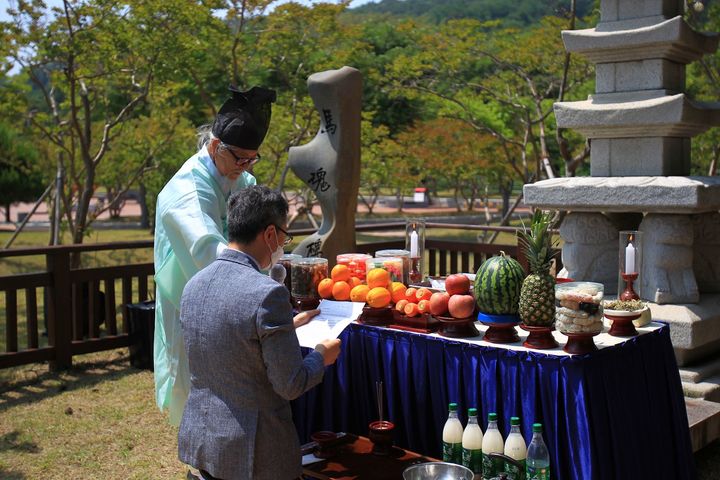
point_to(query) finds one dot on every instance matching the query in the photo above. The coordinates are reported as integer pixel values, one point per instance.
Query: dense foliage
(457, 95)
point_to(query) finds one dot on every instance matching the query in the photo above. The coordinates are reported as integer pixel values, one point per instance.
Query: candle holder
(630, 265)
(415, 244)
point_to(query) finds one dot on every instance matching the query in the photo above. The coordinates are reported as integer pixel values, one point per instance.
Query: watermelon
(497, 285)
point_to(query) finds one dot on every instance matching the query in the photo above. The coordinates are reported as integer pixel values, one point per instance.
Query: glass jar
(306, 275)
(355, 262)
(404, 254)
(578, 307)
(393, 265)
(286, 261)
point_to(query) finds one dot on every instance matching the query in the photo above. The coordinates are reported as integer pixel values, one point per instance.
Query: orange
(378, 297)
(340, 273)
(359, 293)
(377, 277)
(341, 291)
(325, 288)
(354, 282)
(397, 289)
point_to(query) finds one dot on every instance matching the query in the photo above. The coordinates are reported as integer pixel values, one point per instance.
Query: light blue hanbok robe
(190, 232)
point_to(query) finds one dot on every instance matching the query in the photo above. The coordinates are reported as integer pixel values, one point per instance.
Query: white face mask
(275, 255)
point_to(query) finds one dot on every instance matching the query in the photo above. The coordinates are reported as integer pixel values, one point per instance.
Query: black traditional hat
(244, 118)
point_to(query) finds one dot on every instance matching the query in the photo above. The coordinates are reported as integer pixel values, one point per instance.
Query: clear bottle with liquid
(492, 443)
(472, 439)
(515, 448)
(452, 436)
(538, 457)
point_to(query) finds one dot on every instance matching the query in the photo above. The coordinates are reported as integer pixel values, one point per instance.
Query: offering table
(618, 412)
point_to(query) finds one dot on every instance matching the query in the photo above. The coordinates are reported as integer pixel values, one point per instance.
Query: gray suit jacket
(245, 366)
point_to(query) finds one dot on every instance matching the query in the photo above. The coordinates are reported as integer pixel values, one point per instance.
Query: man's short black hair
(252, 209)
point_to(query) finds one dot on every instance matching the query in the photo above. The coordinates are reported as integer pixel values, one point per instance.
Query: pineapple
(537, 295)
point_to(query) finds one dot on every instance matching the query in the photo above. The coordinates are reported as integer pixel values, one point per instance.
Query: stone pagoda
(640, 124)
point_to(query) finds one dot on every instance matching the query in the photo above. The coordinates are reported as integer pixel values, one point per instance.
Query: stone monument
(330, 163)
(640, 124)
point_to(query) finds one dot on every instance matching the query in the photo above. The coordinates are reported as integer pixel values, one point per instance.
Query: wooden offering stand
(622, 322)
(377, 317)
(303, 304)
(457, 327)
(501, 328)
(580, 343)
(539, 338)
(423, 323)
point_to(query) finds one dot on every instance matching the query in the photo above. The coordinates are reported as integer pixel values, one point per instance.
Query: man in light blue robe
(191, 228)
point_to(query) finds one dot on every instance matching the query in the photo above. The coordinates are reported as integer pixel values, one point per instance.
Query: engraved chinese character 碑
(317, 180)
(329, 125)
(313, 249)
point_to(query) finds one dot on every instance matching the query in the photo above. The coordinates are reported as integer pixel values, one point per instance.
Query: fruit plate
(378, 317)
(489, 319)
(644, 318)
(423, 323)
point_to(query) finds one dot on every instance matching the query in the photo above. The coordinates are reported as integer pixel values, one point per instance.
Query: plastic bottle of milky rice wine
(472, 444)
(492, 443)
(515, 448)
(452, 437)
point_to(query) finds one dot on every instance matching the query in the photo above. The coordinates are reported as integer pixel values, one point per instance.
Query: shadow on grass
(9, 441)
(48, 384)
(10, 475)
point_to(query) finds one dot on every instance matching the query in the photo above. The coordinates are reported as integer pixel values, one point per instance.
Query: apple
(457, 284)
(424, 306)
(439, 303)
(423, 294)
(461, 306)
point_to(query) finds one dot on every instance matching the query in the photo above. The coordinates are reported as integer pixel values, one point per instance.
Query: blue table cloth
(616, 413)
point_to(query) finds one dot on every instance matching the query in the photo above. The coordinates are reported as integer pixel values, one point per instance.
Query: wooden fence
(76, 302)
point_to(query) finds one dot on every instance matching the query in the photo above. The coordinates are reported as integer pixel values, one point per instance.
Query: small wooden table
(355, 461)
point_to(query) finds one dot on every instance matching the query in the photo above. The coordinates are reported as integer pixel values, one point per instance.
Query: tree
(19, 181)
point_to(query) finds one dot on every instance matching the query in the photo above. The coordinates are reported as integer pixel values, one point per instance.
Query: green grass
(96, 420)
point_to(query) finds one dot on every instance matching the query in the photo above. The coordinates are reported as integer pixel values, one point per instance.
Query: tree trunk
(506, 192)
(7, 213)
(144, 213)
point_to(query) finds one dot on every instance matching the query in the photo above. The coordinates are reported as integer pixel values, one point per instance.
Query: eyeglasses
(240, 161)
(288, 237)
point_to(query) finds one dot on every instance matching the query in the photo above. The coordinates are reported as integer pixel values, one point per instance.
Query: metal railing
(73, 303)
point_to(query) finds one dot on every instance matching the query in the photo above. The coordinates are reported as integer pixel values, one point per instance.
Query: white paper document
(334, 317)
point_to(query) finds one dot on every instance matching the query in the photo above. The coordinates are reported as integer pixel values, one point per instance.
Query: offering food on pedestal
(537, 295)
(307, 273)
(579, 307)
(497, 285)
(392, 265)
(439, 303)
(457, 284)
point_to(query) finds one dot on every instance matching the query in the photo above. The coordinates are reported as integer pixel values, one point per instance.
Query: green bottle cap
(514, 420)
(453, 407)
(537, 427)
(492, 417)
(472, 412)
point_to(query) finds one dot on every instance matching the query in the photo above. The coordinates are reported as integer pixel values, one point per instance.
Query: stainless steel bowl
(437, 471)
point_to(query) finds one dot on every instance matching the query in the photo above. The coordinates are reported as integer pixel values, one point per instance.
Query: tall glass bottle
(452, 436)
(515, 449)
(472, 444)
(538, 457)
(492, 443)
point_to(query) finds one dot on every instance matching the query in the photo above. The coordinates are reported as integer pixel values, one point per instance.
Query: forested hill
(516, 12)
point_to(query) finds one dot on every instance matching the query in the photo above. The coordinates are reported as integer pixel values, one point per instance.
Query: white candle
(629, 258)
(414, 244)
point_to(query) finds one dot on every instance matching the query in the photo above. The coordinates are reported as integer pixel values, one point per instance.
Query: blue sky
(51, 3)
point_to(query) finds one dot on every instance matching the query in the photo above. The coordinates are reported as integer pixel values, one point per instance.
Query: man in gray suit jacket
(245, 361)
